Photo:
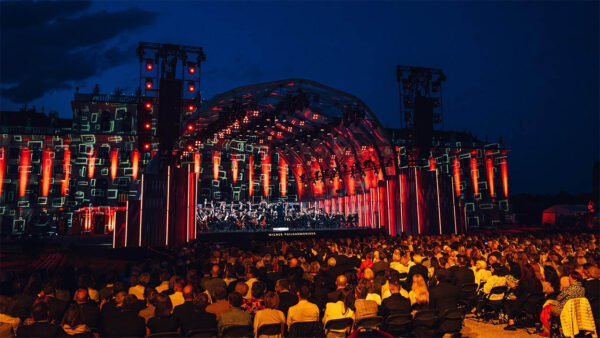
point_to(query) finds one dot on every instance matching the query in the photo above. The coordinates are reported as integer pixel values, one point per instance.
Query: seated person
(364, 308)
(270, 314)
(342, 308)
(162, 321)
(235, 315)
(304, 311)
(396, 303)
(418, 295)
(42, 327)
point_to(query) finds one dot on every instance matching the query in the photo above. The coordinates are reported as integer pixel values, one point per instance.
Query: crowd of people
(386, 286)
(223, 217)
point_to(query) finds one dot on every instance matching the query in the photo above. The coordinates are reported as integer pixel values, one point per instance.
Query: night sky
(526, 71)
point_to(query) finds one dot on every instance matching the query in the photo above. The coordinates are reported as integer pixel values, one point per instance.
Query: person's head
(215, 271)
(81, 296)
(188, 293)
(480, 265)
(120, 297)
(235, 299)
(130, 303)
(40, 312)
(258, 289)
(331, 262)
(341, 282)
(461, 260)
(271, 300)
(144, 279)
(575, 277)
(395, 285)
(362, 290)
(419, 288)
(241, 288)
(303, 292)
(442, 275)
(282, 285)
(417, 259)
(200, 301)
(293, 263)
(150, 295)
(593, 272)
(219, 293)
(164, 307)
(369, 274)
(73, 316)
(178, 285)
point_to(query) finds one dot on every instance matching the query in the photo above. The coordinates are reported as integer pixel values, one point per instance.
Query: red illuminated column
(456, 169)
(283, 173)
(251, 176)
(266, 173)
(402, 187)
(46, 171)
(197, 159)
(91, 164)
(234, 168)
(475, 174)
(135, 162)
(2, 167)
(24, 165)
(299, 184)
(489, 165)
(432, 163)
(216, 164)
(114, 161)
(504, 172)
(66, 170)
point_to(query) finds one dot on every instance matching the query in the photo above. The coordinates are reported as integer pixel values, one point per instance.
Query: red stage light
(190, 147)
(504, 172)
(489, 163)
(147, 125)
(135, 160)
(191, 88)
(47, 160)
(114, 159)
(475, 174)
(2, 167)
(149, 66)
(190, 127)
(66, 170)
(197, 162)
(91, 164)
(192, 70)
(148, 104)
(191, 107)
(251, 175)
(24, 166)
(266, 172)
(147, 146)
(216, 164)
(148, 84)
(456, 167)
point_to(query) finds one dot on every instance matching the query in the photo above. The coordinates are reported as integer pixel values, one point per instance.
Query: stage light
(149, 65)
(190, 127)
(146, 146)
(148, 84)
(192, 70)
(148, 105)
(147, 125)
(191, 107)
(191, 86)
(190, 147)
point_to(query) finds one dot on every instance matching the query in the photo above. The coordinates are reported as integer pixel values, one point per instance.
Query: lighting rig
(420, 92)
(169, 91)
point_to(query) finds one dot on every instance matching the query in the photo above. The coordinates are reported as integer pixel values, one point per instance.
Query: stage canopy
(320, 132)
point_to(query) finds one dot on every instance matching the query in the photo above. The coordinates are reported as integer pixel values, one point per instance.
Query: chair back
(450, 321)
(270, 330)
(206, 332)
(369, 322)
(238, 331)
(424, 324)
(498, 290)
(165, 334)
(398, 324)
(342, 324)
(306, 329)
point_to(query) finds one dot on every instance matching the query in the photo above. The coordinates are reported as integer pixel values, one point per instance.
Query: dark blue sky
(528, 72)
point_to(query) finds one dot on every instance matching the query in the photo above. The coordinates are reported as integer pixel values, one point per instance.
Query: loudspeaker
(169, 112)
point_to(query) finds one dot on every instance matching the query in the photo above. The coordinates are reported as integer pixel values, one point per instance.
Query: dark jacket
(394, 304)
(40, 329)
(444, 296)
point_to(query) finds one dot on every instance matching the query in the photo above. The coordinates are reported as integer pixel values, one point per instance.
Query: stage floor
(245, 236)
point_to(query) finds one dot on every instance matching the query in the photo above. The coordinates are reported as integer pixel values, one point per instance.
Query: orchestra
(222, 217)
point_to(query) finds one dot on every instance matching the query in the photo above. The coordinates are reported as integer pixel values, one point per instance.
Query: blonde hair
(419, 289)
(369, 274)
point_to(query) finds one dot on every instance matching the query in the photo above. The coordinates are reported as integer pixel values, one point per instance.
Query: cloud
(48, 45)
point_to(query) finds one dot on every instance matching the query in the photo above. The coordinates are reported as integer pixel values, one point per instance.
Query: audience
(206, 286)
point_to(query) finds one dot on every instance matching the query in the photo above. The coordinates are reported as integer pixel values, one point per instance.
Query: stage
(235, 237)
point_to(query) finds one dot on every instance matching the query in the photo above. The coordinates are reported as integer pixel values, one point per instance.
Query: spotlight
(146, 146)
(149, 65)
(148, 105)
(191, 107)
(147, 125)
(148, 83)
(190, 127)
(191, 87)
(192, 70)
